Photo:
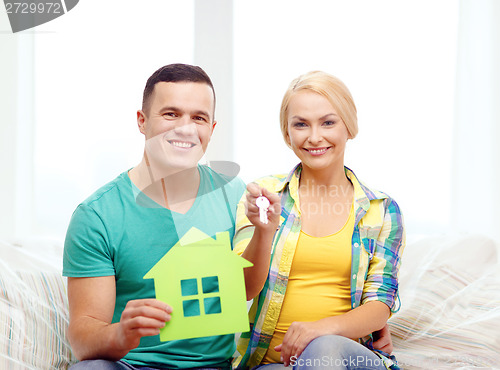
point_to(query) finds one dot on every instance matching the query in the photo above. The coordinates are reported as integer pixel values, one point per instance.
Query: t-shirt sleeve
(238, 189)
(244, 228)
(87, 250)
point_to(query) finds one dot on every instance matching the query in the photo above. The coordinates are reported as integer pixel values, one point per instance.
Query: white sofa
(33, 306)
(450, 315)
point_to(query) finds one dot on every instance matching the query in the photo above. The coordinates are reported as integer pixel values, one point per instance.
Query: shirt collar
(362, 194)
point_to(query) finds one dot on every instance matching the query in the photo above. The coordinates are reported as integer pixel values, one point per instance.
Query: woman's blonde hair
(328, 86)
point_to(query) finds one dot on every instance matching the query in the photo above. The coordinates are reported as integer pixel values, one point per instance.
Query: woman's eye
(329, 123)
(298, 124)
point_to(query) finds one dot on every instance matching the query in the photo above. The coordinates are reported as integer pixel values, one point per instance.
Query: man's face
(178, 124)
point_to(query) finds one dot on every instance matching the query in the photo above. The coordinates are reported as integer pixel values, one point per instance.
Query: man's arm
(91, 307)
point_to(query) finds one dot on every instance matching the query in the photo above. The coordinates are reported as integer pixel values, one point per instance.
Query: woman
(326, 262)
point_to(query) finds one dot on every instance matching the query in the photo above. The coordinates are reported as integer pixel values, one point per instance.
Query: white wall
(91, 67)
(424, 75)
(16, 127)
(397, 58)
(476, 134)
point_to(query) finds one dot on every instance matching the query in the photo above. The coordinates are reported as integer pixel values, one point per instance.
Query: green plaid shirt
(378, 241)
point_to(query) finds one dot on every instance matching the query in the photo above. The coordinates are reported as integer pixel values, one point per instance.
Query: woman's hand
(297, 337)
(258, 250)
(253, 212)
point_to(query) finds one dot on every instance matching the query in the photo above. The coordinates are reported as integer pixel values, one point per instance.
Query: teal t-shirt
(120, 232)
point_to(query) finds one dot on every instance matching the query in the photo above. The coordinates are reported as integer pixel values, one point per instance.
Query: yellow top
(318, 284)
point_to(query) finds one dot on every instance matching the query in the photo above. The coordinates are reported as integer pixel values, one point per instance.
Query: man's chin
(175, 167)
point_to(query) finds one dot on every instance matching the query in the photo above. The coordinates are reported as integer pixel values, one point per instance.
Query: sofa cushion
(450, 293)
(33, 312)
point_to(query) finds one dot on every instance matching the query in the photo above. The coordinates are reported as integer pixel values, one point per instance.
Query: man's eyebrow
(177, 109)
(169, 107)
(201, 113)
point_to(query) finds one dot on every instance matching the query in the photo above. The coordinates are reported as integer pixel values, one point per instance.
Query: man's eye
(199, 118)
(169, 115)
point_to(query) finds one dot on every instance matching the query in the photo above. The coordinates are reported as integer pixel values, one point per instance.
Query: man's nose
(185, 126)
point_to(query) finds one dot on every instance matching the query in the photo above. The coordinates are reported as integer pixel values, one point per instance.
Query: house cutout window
(201, 295)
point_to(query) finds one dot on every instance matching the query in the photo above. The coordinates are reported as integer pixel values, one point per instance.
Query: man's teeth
(181, 144)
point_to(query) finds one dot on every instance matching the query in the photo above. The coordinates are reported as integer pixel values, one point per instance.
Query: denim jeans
(332, 352)
(119, 365)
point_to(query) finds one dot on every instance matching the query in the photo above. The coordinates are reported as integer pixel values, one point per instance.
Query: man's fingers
(383, 345)
(141, 322)
(149, 309)
(151, 302)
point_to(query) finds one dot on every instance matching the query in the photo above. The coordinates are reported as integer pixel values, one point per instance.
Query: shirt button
(354, 276)
(356, 245)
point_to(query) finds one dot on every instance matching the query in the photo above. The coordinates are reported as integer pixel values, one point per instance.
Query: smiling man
(121, 231)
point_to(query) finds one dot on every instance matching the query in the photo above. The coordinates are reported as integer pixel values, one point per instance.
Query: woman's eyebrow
(323, 117)
(328, 115)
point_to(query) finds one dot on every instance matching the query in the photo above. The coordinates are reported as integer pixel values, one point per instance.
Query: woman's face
(316, 133)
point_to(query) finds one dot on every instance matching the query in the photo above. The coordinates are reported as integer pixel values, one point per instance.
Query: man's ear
(141, 121)
(212, 126)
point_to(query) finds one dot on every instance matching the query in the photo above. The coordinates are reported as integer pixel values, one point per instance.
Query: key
(263, 204)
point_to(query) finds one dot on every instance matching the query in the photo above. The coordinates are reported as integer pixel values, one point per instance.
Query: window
(90, 71)
(201, 296)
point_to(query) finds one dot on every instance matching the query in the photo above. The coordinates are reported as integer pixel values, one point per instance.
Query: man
(120, 232)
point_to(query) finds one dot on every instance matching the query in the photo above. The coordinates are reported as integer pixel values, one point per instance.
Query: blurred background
(425, 76)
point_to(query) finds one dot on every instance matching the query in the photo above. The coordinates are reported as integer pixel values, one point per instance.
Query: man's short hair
(174, 73)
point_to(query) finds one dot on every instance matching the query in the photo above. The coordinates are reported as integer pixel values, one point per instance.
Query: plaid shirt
(377, 244)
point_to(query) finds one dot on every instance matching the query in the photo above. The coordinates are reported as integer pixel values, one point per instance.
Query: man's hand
(140, 318)
(253, 212)
(383, 340)
(91, 307)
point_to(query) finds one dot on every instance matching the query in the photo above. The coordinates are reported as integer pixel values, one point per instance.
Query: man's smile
(181, 144)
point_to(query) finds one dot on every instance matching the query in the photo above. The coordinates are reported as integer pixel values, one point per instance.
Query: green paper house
(202, 280)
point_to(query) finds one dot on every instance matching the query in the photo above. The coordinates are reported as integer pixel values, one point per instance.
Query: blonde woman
(325, 274)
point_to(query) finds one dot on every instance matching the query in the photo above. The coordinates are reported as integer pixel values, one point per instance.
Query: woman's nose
(315, 136)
